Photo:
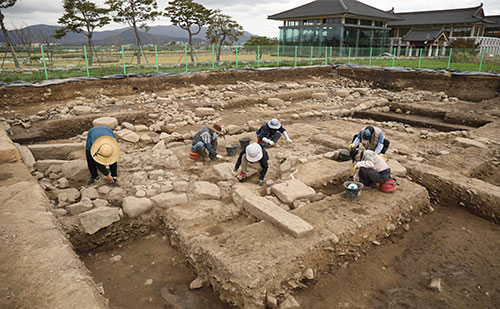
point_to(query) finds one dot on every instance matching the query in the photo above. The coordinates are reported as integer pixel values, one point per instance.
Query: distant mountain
(157, 35)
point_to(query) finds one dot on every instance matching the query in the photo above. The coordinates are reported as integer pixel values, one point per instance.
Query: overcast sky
(251, 14)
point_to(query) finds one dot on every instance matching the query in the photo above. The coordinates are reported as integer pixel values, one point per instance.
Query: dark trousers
(94, 166)
(386, 144)
(368, 175)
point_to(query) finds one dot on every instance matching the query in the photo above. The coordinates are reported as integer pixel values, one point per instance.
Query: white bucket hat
(274, 124)
(253, 152)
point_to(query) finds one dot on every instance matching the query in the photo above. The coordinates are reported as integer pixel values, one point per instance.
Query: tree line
(85, 16)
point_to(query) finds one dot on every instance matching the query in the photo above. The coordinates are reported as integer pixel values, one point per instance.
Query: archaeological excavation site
(178, 231)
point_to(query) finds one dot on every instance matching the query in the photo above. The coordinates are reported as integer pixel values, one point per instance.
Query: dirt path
(449, 243)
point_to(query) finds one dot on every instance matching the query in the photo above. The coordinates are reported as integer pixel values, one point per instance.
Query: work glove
(351, 146)
(235, 172)
(289, 141)
(220, 157)
(383, 156)
(261, 182)
(271, 143)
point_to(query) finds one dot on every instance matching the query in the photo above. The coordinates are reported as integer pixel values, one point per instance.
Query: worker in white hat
(256, 156)
(102, 149)
(270, 133)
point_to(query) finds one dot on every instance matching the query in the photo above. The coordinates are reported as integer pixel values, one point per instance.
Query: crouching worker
(372, 138)
(370, 168)
(254, 155)
(102, 149)
(270, 133)
(206, 138)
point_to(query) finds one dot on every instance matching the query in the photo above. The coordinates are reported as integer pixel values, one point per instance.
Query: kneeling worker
(372, 138)
(270, 133)
(102, 149)
(253, 154)
(206, 138)
(370, 167)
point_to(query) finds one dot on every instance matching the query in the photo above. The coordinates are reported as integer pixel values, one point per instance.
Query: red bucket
(194, 155)
(388, 186)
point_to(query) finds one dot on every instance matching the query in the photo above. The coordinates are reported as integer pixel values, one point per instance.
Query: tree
(254, 41)
(135, 13)
(3, 5)
(23, 35)
(187, 14)
(82, 16)
(223, 30)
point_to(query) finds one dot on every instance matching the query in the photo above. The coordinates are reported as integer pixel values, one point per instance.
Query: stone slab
(318, 172)
(264, 209)
(43, 165)
(330, 141)
(224, 171)
(8, 151)
(170, 199)
(292, 190)
(59, 151)
(96, 219)
(31, 275)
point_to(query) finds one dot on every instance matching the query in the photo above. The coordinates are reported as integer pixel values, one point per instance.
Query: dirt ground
(450, 243)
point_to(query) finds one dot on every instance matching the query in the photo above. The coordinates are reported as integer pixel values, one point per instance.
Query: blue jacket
(97, 132)
(267, 132)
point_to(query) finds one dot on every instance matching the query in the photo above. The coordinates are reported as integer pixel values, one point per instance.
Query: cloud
(252, 15)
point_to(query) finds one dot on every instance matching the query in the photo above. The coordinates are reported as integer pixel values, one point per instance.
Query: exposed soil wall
(473, 88)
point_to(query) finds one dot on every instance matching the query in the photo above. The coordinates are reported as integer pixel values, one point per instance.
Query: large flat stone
(96, 219)
(466, 142)
(224, 171)
(204, 190)
(264, 209)
(292, 190)
(75, 171)
(134, 207)
(170, 199)
(330, 141)
(59, 151)
(43, 165)
(318, 172)
(27, 156)
(8, 151)
(110, 122)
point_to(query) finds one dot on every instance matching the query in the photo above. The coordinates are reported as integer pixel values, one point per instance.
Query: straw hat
(274, 124)
(105, 150)
(253, 152)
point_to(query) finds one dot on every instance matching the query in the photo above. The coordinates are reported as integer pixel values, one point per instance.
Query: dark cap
(367, 133)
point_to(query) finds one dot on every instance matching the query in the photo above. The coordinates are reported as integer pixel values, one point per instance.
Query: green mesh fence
(77, 61)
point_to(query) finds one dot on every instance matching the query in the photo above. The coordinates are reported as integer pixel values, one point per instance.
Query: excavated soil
(449, 243)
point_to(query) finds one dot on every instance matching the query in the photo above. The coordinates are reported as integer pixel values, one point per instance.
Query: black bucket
(353, 193)
(244, 142)
(232, 150)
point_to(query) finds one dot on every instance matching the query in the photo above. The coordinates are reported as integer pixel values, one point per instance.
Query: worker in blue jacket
(102, 148)
(270, 133)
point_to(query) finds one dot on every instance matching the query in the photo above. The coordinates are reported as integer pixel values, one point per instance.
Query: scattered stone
(166, 200)
(84, 205)
(224, 171)
(128, 135)
(197, 283)
(156, 174)
(205, 190)
(435, 284)
(68, 195)
(181, 186)
(230, 94)
(26, 156)
(75, 170)
(90, 193)
(100, 203)
(292, 190)
(309, 274)
(96, 219)
(62, 183)
(109, 122)
(60, 212)
(140, 193)
(104, 189)
(343, 93)
(233, 129)
(271, 301)
(116, 194)
(204, 111)
(148, 282)
(140, 128)
(275, 102)
(145, 138)
(289, 303)
(115, 258)
(135, 207)
(320, 96)
(82, 110)
(396, 168)
(466, 142)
